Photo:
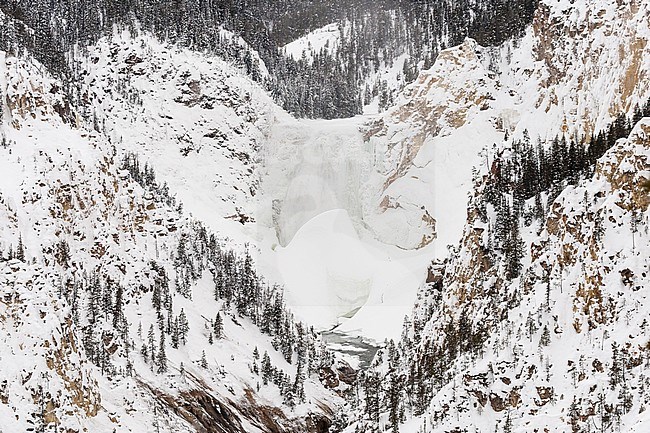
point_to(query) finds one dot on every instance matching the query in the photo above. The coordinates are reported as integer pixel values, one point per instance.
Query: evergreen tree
(507, 427)
(183, 327)
(144, 351)
(218, 327)
(118, 313)
(267, 368)
(20, 251)
(289, 399)
(616, 370)
(175, 334)
(545, 339)
(151, 337)
(394, 387)
(298, 384)
(161, 359)
(372, 386)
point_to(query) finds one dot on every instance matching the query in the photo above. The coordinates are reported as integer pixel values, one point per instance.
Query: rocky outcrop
(579, 65)
(582, 288)
(46, 376)
(339, 376)
(207, 413)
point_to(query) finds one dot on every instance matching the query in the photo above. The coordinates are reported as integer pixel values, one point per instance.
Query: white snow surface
(332, 276)
(325, 39)
(402, 177)
(194, 118)
(589, 308)
(249, 170)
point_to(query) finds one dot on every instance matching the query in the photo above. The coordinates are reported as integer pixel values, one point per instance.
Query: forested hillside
(486, 347)
(118, 309)
(333, 85)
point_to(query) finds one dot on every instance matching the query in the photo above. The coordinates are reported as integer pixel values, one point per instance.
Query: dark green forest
(333, 85)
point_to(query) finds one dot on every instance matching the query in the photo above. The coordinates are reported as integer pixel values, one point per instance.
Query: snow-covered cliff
(579, 65)
(120, 311)
(534, 321)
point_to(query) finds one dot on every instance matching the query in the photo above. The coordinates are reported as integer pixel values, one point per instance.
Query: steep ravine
(139, 292)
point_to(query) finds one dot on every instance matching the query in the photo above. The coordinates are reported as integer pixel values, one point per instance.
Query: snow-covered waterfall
(311, 167)
(319, 185)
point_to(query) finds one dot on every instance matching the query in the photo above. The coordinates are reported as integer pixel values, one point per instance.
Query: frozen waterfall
(318, 185)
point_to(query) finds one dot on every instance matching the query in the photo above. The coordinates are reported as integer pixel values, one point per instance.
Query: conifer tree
(144, 351)
(162, 357)
(151, 336)
(267, 369)
(20, 251)
(174, 334)
(218, 327)
(118, 309)
(289, 399)
(545, 339)
(183, 327)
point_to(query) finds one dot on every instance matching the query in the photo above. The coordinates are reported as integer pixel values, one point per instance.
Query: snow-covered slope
(236, 160)
(579, 66)
(325, 39)
(194, 118)
(110, 294)
(116, 269)
(564, 347)
(45, 375)
(560, 345)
